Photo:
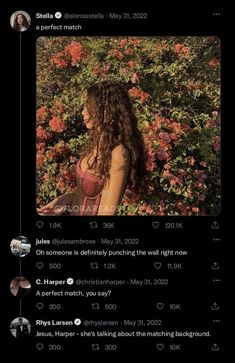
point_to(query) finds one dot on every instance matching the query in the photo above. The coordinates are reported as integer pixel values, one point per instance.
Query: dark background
(194, 20)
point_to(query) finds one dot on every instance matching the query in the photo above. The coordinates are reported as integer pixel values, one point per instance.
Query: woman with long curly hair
(21, 23)
(20, 286)
(113, 159)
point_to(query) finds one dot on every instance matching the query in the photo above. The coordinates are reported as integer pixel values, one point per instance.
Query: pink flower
(157, 123)
(203, 163)
(164, 136)
(181, 50)
(200, 175)
(162, 153)
(211, 124)
(150, 164)
(61, 184)
(146, 208)
(135, 41)
(41, 114)
(116, 53)
(41, 133)
(41, 147)
(178, 48)
(213, 63)
(166, 173)
(123, 71)
(101, 70)
(149, 210)
(175, 180)
(174, 136)
(119, 55)
(75, 51)
(130, 64)
(167, 166)
(134, 92)
(57, 125)
(123, 43)
(175, 126)
(215, 114)
(185, 128)
(137, 93)
(59, 60)
(46, 177)
(40, 154)
(198, 185)
(129, 51)
(161, 208)
(191, 160)
(182, 172)
(216, 143)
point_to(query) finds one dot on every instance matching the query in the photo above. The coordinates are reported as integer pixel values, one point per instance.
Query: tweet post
(117, 243)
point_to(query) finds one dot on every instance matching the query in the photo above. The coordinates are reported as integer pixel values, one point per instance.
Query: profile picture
(20, 327)
(20, 21)
(20, 287)
(20, 246)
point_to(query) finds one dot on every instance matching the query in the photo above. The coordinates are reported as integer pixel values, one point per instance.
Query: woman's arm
(113, 191)
(57, 206)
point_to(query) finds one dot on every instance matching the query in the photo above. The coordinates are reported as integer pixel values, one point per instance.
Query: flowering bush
(174, 83)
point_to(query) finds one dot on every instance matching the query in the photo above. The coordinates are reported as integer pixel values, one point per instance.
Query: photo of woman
(114, 156)
(20, 287)
(128, 126)
(19, 22)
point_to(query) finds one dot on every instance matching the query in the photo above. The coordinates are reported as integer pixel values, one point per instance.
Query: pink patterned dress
(88, 193)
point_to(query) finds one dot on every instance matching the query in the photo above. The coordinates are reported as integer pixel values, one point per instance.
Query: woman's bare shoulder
(120, 155)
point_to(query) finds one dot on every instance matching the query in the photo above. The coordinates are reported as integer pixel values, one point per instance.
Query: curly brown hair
(16, 25)
(114, 123)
